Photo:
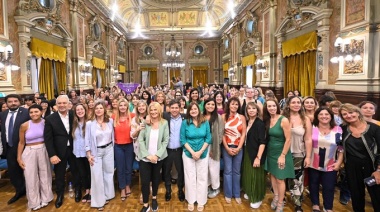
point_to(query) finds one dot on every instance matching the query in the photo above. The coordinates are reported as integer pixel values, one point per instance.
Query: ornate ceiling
(175, 16)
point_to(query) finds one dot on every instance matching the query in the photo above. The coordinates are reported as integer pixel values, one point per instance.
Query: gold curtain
(98, 63)
(42, 49)
(103, 77)
(94, 75)
(152, 78)
(300, 73)
(121, 69)
(45, 79)
(244, 76)
(300, 44)
(60, 69)
(199, 75)
(225, 70)
(248, 60)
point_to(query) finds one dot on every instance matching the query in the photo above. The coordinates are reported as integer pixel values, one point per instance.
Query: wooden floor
(132, 203)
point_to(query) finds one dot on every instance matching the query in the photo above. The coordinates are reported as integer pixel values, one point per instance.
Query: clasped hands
(152, 158)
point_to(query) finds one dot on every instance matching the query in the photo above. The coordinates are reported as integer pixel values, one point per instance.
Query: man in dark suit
(174, 150)
(59, 145)
(11, 121)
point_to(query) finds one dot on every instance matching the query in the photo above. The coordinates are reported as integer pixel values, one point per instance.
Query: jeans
(231, 174)
(124, 157)
(328, 180)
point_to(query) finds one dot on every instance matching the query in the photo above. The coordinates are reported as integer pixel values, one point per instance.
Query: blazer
(90, 137)
(22, 116)
(56, 136)
(167, 117)
(255, 137)
(163, 140)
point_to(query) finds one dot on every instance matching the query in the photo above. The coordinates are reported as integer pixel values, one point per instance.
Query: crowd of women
(251, 132)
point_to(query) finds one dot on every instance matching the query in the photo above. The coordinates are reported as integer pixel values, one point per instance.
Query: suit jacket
(167, 117)
(22, 116)
(56, 136)
(163, 140)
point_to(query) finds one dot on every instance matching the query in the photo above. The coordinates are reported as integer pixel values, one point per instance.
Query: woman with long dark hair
(279, 161)
(195, 138)
(79, 132)
(220, 102)
(195, 97)
(217, 129)
(300, 147)
(146, 96)
(233, 140)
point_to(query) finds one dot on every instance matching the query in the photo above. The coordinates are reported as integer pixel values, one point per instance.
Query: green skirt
(253, 181)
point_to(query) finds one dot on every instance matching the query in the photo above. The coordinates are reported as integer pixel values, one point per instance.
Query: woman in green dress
(279, 161)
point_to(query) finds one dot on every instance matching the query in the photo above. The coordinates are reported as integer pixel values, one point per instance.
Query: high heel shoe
(273, 204)
(280, 207)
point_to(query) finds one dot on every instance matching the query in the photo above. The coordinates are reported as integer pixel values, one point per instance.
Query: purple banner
(128, 87)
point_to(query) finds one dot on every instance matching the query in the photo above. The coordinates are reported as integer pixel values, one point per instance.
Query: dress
(275, 147)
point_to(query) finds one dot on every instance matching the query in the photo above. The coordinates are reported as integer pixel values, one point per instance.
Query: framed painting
(3, 20)
(266, 32)
(81, 43)
(187, 18)
(355, 13)
(158, 19)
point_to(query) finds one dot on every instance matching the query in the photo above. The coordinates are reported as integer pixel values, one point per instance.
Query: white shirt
(7, 122)
(66, 123)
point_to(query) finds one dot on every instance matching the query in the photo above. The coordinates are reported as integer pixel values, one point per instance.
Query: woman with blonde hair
(195, 138)
(161, 99)
(123, 147)
(99, 140)
(310, 105)
(361, 157)
(153, 141)
(253, 179)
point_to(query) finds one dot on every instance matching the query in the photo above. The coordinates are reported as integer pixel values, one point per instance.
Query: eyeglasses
(177, 95)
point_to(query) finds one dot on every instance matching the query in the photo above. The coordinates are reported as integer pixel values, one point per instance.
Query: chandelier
(173, 53)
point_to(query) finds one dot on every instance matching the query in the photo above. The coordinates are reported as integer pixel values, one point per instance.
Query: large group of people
(181, 136)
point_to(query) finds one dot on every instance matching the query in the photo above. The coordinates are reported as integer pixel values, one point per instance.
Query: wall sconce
(6, 54)
(262, 66)
(348, 50)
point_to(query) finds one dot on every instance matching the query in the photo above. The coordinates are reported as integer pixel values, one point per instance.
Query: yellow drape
(152, 78)
(199, 75)
(45, 79)
(148, 68)
(225, 70)
(42, 49)
(300, 44)
(199, 68)
(94, 75)
(248, 60)
(121, 69)
(103, 76)
(98, 63)
(254, 77)
(60, 69)
(244, 76)
(300, 73)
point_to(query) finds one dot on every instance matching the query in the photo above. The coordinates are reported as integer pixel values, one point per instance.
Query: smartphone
(370, 181)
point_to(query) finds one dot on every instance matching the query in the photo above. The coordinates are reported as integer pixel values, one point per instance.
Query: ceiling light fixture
(173, 53)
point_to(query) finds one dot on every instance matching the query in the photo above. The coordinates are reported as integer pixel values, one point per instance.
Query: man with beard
(11, 121)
